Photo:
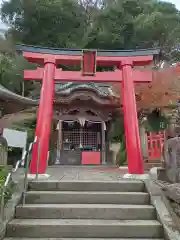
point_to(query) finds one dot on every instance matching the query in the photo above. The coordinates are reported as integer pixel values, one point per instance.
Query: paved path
(97, 173)
(93, 173)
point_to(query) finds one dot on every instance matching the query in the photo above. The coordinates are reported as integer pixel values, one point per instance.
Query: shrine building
(77, 108)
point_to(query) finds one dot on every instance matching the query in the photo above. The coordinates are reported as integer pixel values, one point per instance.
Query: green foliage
(83, 24)
(156, 122)
(10, 188)
(123, 143)
(3, 174)
(117, 130)
(12, 73)
(47, 23)
(29, 126)
(118, 136)
(121, 155)
(93, 24)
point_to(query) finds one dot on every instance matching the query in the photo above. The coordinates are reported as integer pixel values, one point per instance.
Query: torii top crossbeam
(89, 59)
(103, 58)
(73, 56)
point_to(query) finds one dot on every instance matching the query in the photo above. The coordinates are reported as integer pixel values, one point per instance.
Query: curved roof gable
(6, 94)
(68, 88)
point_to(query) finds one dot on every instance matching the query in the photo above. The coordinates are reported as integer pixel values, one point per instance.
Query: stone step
(74, 197)
(83, 239)
(110, 186)
(91, 228)
(86, 211)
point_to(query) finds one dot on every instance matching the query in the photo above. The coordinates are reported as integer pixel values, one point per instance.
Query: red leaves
(164, 90)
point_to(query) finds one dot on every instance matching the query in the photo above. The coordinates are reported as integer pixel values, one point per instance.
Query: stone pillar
(59, 142)
(144, 143)
(103, 139)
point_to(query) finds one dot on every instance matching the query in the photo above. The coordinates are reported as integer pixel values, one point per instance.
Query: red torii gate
(123, 60)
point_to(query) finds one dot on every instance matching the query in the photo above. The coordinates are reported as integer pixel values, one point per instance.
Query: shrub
(121, 155)
(10, 188)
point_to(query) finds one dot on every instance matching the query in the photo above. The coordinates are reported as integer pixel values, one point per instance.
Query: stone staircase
(86, 210)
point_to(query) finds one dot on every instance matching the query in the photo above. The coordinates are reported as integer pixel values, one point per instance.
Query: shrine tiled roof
(6, 94)
(67, 88)
(74, 52)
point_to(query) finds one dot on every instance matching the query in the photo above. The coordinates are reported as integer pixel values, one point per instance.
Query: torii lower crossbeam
(139, 76)
(125, 74)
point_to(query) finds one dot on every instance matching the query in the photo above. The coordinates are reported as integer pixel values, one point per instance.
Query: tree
(93, 24)
(47, 23)
(163, 91)
(158, 27)
(20, 118)
(137, 24)
(12, 67)
(107, 24)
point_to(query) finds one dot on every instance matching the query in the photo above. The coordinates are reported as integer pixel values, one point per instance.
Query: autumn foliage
(164, 90)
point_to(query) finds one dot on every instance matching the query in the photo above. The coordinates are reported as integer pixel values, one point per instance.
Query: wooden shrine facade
(84, 113)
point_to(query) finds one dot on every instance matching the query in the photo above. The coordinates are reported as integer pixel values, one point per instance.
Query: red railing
(155, 144)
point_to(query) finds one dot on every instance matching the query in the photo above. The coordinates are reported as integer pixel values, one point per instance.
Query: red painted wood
(43, 126)
(155, 145)
(126, 75)
(74, 76)
(100, 60)
(90, 158)
(89, 63)
(133, 145)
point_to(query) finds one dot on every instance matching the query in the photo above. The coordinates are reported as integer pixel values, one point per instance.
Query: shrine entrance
(79, 142)
(81, 138)
(123, 61)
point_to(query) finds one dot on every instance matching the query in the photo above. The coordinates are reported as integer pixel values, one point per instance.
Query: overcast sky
(176, 2)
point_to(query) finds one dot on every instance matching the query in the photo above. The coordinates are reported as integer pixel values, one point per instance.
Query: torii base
(40, 177)
(136, 176)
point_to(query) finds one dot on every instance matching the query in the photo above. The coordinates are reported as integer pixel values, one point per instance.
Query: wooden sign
(89, 62)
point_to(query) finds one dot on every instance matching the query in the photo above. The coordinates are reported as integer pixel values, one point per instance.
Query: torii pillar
(133, 144)
(125, 74)
(45, 112)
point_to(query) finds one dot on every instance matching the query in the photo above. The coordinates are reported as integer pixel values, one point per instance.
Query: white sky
(176, 2)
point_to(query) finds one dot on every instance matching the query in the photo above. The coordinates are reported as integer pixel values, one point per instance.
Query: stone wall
(10, 207)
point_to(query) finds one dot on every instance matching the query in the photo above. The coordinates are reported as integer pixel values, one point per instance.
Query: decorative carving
(67, 89)
(172, 191)
(103, 115)
(82, 96)
(172, 159)
(172, 171)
